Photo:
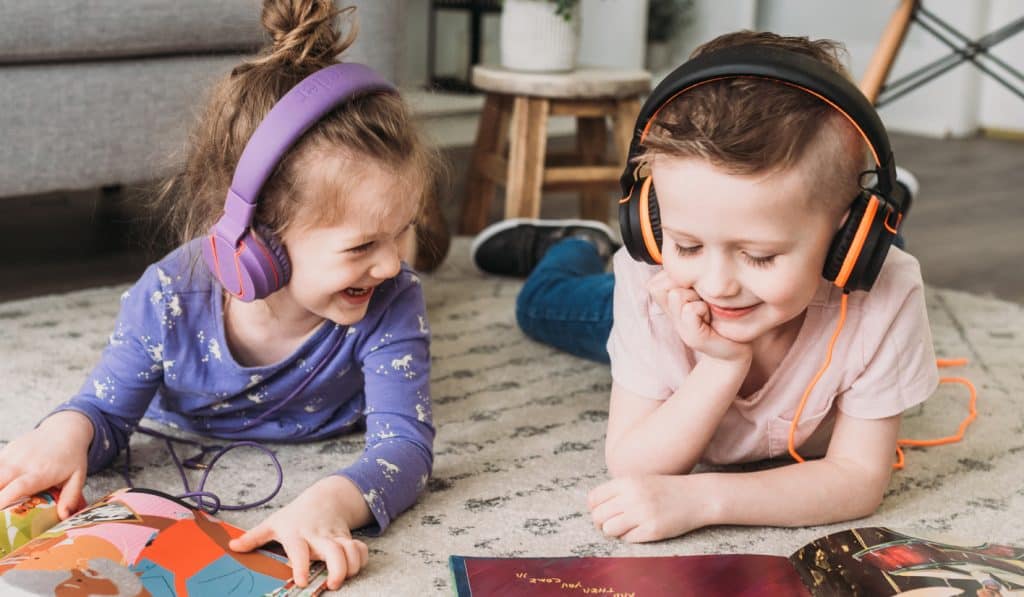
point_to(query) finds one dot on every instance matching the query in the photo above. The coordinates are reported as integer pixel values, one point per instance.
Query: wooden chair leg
(591, 141)
(527, 147)
(623, 126)
(491, 133)
(885, 53)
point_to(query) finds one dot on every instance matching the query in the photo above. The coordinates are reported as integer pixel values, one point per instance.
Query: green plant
(666, 17)
(563, 8)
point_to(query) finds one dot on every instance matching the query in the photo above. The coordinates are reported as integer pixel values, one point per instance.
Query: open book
(134, 542)
(866, 561)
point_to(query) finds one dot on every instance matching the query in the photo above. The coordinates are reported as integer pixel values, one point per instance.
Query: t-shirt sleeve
(632, 342)
(899, 369)
(120, 387)
(398, 456)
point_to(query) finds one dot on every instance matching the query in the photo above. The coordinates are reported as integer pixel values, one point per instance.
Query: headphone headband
(775, 64)
(292, 115)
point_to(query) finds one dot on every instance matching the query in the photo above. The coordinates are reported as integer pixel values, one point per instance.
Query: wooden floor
(966, 227)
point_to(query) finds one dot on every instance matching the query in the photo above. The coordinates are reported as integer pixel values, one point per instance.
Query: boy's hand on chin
(645, 508)
(692, 320)
(314, 526)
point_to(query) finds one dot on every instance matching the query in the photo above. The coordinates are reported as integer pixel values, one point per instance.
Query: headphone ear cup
(859, 248)
(640, 223)
(251, 270)
(278, 256)
(843, 239)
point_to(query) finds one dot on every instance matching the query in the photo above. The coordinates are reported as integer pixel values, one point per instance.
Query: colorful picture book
(865, 561)
(134, 542)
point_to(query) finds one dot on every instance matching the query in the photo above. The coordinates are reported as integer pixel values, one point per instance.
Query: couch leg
(110, 224)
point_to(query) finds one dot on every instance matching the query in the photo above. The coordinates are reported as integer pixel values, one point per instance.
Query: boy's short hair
(748, 126)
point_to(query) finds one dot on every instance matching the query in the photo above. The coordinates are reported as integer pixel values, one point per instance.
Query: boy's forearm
(809, 493)
(672, 438)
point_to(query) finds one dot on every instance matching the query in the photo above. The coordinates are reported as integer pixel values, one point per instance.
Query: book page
(880, 561)
(678, 576)
(140, 542)
(26, 519)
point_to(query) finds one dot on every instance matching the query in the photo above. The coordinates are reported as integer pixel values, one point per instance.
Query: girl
(342, 343)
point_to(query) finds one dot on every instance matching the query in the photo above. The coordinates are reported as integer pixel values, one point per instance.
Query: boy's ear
(842, 221)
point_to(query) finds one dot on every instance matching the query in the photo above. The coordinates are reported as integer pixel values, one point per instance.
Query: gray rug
(520, 435)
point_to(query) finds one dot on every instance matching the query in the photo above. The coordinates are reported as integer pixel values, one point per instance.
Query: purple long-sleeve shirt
(168, 360)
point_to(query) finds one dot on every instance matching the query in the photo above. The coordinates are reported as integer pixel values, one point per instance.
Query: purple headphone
(246, 267)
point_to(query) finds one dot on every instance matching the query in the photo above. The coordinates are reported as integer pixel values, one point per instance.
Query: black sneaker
(514, 247)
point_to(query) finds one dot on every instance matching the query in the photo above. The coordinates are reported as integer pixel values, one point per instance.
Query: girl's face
(752, 247)
(336, 266)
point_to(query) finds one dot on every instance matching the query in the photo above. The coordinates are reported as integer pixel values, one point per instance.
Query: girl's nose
(388, 262)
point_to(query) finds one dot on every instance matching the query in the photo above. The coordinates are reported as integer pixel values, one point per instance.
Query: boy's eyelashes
(755, 260)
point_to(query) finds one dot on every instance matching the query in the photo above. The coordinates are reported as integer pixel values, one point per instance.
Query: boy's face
(752, 247)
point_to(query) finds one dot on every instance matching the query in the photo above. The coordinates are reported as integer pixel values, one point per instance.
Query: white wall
(950, 105)
(999, 108)
(613, 33)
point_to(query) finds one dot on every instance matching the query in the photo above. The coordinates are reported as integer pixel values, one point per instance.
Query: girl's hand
(53, 454)
(315, 525)
(645, 508)
(692, 319)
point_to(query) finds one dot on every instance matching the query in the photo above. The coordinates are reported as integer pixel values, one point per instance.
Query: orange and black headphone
(859, 247)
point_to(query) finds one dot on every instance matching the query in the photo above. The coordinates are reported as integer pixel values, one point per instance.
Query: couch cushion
(48, 30)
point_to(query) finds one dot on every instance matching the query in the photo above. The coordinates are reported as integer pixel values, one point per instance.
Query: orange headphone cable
(941, 363)
(817, 376)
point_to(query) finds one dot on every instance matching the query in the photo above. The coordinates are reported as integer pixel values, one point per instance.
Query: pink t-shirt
(883, 362)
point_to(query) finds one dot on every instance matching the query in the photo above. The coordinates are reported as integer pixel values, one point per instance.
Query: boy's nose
(717, 282)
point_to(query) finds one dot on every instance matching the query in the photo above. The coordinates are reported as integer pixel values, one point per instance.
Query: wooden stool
(516, 108)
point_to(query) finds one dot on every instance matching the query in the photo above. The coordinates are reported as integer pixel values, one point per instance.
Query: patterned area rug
(520, 435)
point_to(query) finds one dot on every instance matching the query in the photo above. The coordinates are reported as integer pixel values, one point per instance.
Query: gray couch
(101, 92)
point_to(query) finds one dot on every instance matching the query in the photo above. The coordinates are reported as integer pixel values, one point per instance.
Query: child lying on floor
(750, 246)
(303, 323)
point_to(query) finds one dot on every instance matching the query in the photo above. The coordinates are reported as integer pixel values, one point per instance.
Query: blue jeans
(567, 300)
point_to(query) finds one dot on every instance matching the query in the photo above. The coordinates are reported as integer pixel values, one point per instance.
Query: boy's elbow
(870, 491)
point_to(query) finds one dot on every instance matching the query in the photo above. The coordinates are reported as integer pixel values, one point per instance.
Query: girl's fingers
(252, 539)
(353, 555)
(333, 554)
(15, 490)
(70, 494)
(364, 553)
(297, 551)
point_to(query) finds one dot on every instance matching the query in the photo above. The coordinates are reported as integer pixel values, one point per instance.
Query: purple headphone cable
(195, 462)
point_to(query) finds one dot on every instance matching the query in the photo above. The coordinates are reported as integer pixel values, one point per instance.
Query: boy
(714, 355)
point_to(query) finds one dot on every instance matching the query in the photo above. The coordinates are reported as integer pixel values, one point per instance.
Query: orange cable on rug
(941, 363)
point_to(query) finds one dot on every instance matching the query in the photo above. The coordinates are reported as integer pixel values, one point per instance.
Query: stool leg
(626, 112)
(591, 141)
(491, 133)
(527, 146)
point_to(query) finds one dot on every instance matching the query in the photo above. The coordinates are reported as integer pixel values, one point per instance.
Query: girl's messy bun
(305, 31)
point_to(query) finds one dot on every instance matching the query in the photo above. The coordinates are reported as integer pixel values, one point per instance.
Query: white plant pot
(534, 38)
